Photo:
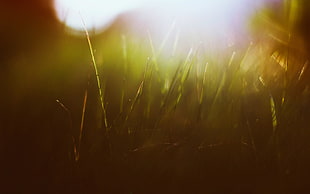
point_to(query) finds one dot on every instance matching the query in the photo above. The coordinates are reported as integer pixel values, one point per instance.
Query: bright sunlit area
(211, 16)
(99, 14)
(216, 24)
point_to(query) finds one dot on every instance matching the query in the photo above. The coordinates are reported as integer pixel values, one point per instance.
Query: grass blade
(97, 75)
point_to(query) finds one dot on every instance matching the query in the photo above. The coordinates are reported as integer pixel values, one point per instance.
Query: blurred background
(176, 76)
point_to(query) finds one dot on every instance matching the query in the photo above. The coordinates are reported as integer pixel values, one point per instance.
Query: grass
(160, 118)
(183, 117)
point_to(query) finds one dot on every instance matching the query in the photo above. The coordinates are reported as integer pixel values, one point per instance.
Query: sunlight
(98, 14)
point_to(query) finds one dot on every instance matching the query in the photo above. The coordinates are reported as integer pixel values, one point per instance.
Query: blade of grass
(125, 57)
(164, 42)
(273, 114)
(175, 44)
(102, 103)
(154, 55)
(304, 67)
(139, 91)
(187, 68)
(202, 91)
(180, 76)
(171, 87)
(77, 156)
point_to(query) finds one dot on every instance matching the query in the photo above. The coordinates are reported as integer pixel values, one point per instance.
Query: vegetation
(197, 123)
(163, 118)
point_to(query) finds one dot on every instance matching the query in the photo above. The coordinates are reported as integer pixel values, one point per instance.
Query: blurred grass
(239, 104)
(181, 120)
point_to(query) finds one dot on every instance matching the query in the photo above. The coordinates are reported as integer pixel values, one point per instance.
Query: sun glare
(98, 14)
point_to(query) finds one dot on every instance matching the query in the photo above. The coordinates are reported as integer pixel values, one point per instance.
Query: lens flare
(98, 14)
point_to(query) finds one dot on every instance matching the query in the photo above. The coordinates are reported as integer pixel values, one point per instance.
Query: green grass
(125, 113)
(138, 113)
(174, 116)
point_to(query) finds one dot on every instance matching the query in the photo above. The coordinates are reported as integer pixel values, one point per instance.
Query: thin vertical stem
(97, 75)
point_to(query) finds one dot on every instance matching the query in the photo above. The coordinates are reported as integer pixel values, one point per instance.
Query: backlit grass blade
(140, 90)
(202, 91)
(273, 114)
(186, 71)
(171, 87)
(304, 67)
(175, 44)
(97, 75)
(164, 42)
(125, 58)
(78, 151)
(154, 55)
